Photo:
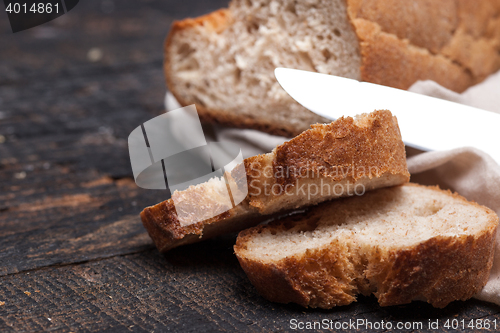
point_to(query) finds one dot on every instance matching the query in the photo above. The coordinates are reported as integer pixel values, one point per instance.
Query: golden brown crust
(412, 22)
(439, 270)
(167, 232)
(216, 21)
(346, 149)
(164, 227)
(369, 149)
(273, 282)
(455, 43)
(372, 148)
(392, 62)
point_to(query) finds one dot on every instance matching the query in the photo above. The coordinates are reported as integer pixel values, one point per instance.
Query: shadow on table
(216, 258)
(215, 252)
(367, 306)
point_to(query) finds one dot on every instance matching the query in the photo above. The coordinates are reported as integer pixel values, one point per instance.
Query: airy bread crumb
(401, 243)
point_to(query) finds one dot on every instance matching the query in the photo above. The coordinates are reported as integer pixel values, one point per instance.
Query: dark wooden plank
(132, 33)
(196, 288)
(65, 170)
(66, 189)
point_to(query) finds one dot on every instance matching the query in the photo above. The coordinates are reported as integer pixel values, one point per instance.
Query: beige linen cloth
(468, 171)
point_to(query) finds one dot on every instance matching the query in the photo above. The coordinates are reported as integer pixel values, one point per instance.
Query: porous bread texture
(339, 159)
(402, 243)
(224, 62)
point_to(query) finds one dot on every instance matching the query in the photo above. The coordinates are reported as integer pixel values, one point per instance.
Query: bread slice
(346, 157)
(224, 61)
(402, 243)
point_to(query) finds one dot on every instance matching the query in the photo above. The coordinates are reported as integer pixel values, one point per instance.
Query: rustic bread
(224, 61)
(347, 157)
(403, 243)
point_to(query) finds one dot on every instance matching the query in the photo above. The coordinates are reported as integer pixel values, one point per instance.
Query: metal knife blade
(427, 123)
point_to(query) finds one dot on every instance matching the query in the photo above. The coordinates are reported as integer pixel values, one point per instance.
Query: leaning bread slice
(402, 243)
(347, 157)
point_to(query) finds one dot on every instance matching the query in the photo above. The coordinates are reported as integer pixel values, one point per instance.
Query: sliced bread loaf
(402, 243)
(224, 61)
(343, 158)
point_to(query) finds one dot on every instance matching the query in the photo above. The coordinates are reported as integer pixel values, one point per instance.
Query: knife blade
(426, 123)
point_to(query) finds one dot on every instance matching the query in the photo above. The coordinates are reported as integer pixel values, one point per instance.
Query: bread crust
(346, 149)
(167, 232)
(370, 146)
(379, 49)
(439, 270)
(455, 43)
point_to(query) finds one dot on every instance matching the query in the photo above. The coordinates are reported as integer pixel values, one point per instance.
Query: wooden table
(74, 255)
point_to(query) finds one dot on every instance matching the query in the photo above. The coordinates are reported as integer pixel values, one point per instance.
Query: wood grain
(196, 288)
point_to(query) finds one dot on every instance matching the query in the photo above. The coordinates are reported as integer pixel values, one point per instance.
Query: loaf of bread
(343, 158)
(224, 61)
(402, 243)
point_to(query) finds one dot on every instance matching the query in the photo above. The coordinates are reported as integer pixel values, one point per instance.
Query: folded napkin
(468, 171)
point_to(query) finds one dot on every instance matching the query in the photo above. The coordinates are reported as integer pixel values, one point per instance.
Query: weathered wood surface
(73, 253)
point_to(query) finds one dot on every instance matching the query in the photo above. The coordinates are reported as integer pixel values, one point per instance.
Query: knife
(426, 123)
